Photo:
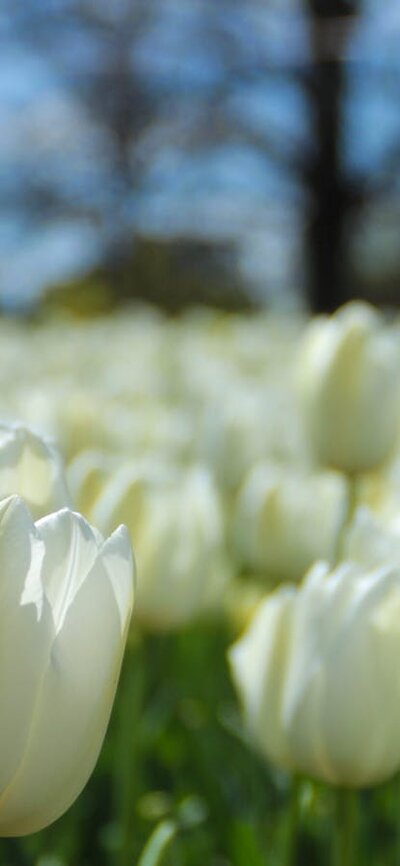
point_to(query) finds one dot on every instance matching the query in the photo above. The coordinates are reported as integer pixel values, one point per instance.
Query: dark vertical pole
(331, 197)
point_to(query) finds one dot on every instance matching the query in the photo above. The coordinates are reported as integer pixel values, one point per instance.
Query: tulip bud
(87, 474)
(175, 521)
(66, 599)
(317, 672)
(245, 423)
(285, 520)
(349, 382)
(31, 467)
(371, 541)
(241, 601)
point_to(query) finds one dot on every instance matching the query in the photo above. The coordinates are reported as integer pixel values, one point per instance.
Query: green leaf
(158, 843)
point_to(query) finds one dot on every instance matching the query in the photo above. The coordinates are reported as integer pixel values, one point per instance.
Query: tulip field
(200, 590)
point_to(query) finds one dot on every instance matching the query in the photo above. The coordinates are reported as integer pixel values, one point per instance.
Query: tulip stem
(352, 500)
(127, 759)
(346, 819)
(292, 822)
(158, 843)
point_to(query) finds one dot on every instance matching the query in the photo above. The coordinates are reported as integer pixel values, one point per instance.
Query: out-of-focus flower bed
(201, 434)
(162, 424)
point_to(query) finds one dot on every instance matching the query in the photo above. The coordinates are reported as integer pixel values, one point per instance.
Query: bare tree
(136, 115)
(333, 195)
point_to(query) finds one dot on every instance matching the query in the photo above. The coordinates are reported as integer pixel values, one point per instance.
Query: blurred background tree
(234, 153)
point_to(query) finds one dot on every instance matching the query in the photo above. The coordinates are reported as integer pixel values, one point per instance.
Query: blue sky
(51, 137)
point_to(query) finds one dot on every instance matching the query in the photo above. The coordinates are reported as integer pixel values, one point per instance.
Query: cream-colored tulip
(65, 605)
(241, 599)
(372, 541)
(246, 423)
(286, 519)
(349, 373)
(87, 474)
(31, 467)
(317, 672)
(175, 521)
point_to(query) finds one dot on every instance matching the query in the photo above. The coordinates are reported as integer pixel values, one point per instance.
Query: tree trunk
(332, 198)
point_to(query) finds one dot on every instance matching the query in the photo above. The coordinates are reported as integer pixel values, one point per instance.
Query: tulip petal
(258, 663)
(365, 753)
(331, 691)
(72, 547)
(31, 467)
(119, 562)
(76, 698)
(26, 631)
(321, 606)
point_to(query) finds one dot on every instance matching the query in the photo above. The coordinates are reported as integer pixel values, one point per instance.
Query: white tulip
(247, 423)
(286, 519)
(87, 474)
(348, 376)
(31, 467)
(65, 605)
(371, 541)
(317, 671)
(176, 525)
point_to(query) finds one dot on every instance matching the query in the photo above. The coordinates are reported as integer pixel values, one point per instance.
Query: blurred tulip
(317, 672)
(348, 376)
(176, 524)
(87, 474)
(241, 600)
(66, 599)
(286, 519)
(246, 425)
(371, 541)
(32, 468)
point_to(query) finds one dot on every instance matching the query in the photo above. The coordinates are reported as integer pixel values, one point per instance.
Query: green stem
(346, 829)
(353, 484)
(292, 824)
(158, 844)
(127, 769)
(396, 844)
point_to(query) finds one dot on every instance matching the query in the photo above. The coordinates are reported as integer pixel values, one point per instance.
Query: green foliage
(177, 783)
(171, 274)
(83, 298)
